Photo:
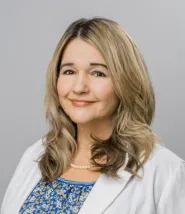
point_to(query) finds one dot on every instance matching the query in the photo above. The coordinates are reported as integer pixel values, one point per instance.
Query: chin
(80, 121)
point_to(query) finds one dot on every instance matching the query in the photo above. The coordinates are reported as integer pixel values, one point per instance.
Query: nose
(80, 83)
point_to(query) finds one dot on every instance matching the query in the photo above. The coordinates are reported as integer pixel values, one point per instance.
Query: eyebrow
(91, 64)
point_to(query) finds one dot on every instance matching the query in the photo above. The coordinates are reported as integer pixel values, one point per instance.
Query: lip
(82, 101)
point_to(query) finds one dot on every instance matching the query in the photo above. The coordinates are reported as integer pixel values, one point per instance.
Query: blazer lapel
(105, 190)
(29, 181)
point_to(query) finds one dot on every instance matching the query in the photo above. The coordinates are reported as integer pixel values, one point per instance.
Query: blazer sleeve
(172, 199)
(14, 179)
(31, 153)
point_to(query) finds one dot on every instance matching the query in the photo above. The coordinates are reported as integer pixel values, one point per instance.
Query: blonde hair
(131, 134)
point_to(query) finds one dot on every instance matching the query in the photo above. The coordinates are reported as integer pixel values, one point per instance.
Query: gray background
(30, 31)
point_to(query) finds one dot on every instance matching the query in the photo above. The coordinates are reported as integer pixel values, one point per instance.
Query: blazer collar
(104, 192)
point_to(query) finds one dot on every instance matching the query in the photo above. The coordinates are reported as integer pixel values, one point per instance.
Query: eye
(66, 71)
(99, 72)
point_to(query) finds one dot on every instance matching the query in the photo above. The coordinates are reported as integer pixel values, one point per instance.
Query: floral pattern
(58, 197)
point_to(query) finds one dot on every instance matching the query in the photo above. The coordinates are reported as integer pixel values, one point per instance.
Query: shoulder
(162, 163)
(30, 155)
(162, 167)
(34, 150)
(163, 172)
(168, 175)
(164, 159)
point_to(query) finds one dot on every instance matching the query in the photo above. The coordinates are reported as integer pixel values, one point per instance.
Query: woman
(100, 154)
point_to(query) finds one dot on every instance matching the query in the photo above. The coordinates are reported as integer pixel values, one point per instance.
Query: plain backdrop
(29, 33)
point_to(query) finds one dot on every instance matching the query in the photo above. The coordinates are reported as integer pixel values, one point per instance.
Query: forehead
(78, 50)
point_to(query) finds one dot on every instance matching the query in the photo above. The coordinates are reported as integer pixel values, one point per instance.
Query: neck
(84, 142)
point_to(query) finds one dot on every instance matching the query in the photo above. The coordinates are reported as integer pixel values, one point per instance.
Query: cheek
(104, 91)
(107, 96)
(63, 88)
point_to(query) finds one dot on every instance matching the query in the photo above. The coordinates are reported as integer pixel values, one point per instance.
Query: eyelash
(94, 71)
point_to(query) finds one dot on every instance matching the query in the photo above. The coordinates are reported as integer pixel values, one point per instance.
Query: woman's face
(80, 78)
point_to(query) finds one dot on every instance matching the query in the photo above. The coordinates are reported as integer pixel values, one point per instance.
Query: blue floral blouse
(61, 196)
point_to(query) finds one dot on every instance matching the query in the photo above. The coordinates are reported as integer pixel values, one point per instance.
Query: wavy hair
(132, 137)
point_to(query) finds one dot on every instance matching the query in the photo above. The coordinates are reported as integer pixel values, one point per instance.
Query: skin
(86, 82)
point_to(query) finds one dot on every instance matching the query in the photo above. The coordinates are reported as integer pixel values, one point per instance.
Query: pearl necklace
(80, 167)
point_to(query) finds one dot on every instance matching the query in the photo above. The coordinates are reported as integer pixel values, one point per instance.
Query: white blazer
(161, 191)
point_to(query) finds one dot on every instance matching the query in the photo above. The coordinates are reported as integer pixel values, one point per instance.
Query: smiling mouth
(80, 104)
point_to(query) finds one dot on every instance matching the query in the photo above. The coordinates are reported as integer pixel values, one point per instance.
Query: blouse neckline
(75, 182)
